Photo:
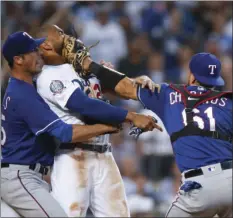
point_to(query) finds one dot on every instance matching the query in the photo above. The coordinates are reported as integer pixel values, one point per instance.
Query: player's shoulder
(54, 71)
(19, 92)
(164, 87)
(19, 88)
(59, 73)
(229, 100)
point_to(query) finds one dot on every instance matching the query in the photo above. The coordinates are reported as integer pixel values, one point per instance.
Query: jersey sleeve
(56, 85)
(62, 91)
(152, 100)
(37, 114)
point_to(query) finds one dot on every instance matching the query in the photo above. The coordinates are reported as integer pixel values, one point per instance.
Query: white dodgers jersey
(56, 84)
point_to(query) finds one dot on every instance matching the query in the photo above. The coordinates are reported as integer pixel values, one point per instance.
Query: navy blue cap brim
(40, 41)
(36, 44)
(211, 81)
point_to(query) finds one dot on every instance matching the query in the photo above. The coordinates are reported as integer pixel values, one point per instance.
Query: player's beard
(39, 66)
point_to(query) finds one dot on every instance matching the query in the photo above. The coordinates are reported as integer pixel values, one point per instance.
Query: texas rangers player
(199, 122)
(27, 126)
(85, 174)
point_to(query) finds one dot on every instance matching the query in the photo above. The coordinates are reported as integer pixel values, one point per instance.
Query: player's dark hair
(11, 64)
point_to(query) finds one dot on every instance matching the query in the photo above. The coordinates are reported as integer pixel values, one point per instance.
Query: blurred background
(139, 38)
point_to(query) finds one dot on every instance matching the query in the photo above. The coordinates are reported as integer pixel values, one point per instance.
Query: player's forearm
(126, 89)
(67, 133)
(112, 79)
(83, 133)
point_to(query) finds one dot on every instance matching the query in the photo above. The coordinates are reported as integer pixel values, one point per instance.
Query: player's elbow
(63, 132)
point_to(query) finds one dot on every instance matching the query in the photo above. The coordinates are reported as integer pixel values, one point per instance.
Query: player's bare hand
(144, 122)
(146, 82)
(107, 64)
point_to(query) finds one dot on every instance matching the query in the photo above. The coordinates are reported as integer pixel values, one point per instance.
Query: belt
(88, 147)
(198, 172)
(42, 169)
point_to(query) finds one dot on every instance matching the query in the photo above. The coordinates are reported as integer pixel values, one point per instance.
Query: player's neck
(22, 76)
(194, 83)
(54, 60)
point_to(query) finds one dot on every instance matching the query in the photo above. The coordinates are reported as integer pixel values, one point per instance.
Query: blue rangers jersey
(216, 115)
(26, 123)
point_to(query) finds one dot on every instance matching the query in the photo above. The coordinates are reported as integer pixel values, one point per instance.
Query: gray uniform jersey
(56, 84)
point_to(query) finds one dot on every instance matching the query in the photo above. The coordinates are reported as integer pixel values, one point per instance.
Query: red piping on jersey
(24, 187)
(198, 95)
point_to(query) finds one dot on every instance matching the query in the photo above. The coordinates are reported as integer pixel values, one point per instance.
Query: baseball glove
(75, 52)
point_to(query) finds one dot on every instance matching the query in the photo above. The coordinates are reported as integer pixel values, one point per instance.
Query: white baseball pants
(82, 179)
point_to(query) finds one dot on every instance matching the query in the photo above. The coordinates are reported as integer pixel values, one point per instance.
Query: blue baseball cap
(19, 43)
(206, 68)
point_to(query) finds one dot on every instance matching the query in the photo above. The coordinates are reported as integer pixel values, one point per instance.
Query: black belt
(198, 172)
(95, 148)
(43, 169)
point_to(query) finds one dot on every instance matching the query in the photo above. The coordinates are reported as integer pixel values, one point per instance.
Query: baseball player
(199, 121)
(28, 125)
(85, 174)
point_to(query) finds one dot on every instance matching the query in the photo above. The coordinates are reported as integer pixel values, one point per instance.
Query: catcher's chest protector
(192, 101)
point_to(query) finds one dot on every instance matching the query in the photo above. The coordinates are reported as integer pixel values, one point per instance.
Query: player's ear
(18, 60)
(191, 78)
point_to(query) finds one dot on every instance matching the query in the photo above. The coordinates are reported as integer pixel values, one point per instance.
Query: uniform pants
(214, 198)
(82, 179)
(27, 193)
(7, 211)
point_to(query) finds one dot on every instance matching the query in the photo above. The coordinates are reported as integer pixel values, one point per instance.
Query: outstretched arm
(116, 82)
(77, 54)
(109, 114)
(127, 87)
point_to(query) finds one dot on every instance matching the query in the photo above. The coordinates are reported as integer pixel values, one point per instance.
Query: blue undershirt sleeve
(95, 108)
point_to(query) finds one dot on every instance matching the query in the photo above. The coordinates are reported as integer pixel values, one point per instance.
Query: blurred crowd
(139, 38)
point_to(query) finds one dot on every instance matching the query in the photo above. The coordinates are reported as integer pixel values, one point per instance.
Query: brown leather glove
(75, 52)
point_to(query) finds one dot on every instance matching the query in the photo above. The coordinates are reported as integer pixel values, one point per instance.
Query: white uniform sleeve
(62, 90)
(57, 83)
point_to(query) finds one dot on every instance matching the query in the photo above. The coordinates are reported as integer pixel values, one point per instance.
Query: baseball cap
(206, 68)
(19, 43)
